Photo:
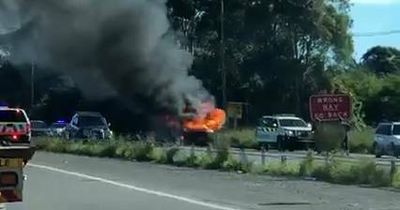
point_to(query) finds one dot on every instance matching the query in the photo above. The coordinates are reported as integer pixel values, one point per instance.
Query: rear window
(12, 116)
(38, 124)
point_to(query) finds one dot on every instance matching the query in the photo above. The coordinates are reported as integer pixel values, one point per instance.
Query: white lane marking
(132, 187)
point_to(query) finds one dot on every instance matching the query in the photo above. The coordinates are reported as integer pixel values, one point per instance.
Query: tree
(382, 60)
(284, 46)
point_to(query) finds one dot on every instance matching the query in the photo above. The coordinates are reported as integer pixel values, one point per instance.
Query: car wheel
(376, 150)
(282, 143)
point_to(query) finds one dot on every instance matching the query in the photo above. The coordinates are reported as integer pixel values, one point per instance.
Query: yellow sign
(235, 110)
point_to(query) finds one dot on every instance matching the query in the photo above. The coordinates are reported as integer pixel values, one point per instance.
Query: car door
(267, 130)
(387, 137)
(378, 138)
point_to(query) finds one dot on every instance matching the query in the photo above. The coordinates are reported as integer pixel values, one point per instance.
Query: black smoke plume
(119, 48)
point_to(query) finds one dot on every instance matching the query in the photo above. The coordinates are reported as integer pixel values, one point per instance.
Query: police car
(284, 132)
(15, 127)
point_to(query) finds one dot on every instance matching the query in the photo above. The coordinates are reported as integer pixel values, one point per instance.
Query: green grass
(241, 137)
(331, 170)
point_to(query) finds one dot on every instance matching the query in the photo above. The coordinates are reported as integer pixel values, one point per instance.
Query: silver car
(387, 139)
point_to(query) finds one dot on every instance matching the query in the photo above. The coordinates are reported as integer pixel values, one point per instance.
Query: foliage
(382, 60)
(241, 137)
(331, 170)
(360, 141)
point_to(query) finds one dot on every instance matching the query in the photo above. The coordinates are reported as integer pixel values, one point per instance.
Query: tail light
(28, 127)
(15, 137)
(8, 179)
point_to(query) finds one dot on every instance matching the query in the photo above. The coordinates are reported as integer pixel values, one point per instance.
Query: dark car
(57, 128)
(88, 125)
(39, 128)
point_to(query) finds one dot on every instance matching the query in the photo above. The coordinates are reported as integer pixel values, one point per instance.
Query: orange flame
(211, 122)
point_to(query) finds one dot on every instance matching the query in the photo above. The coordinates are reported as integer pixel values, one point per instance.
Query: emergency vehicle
(285, 131)
(15, 151)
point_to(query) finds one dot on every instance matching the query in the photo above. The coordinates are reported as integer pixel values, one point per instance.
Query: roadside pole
(263, 154)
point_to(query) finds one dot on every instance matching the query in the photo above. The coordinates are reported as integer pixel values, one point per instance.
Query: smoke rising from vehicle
(118, 47)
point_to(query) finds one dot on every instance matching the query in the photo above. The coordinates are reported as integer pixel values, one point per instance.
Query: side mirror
(274, 125)
(109, 124)
(309, 125)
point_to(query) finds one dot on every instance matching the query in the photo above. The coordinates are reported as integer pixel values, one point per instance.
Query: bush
(329, 136)
(396, 179)
(237, 138)
(307, 165)
(279, 168)
(170, 155)
(180, 158)
(159, 155)
(207, 161)
(142, 150)
(360, 141)
(232, 164)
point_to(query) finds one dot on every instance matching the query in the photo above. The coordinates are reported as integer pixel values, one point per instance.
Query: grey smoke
(109, 47)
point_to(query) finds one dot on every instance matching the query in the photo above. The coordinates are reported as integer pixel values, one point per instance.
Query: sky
(375, 16)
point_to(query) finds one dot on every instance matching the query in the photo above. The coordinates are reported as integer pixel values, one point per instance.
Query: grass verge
(363, 172)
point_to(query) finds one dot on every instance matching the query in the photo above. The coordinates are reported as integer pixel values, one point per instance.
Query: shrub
(159, 155)
(142, 150)
(307, 165)
(360, 141)
(240, 137)
(279, 168)
(207, 161)
(180, 158)
(396, 179)
(170, 154)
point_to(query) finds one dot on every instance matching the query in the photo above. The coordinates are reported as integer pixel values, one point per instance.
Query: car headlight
(289, 133)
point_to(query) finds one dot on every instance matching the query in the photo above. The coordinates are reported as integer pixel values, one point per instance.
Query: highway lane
(58, 181)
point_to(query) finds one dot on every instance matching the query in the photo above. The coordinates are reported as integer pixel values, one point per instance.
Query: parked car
(14, 127)
(56, 129)
(88, 125)
(286, 132)
(39, 128)
(387, 139)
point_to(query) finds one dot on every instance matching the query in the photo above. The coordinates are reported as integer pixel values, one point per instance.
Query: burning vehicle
(193, 126)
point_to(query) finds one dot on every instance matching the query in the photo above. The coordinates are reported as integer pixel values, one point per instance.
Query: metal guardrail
(263, 155)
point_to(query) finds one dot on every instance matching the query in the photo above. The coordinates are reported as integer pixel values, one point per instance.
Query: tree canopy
(382, 60)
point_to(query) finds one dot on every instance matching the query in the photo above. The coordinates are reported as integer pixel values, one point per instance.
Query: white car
(283, 131)
(387, 139)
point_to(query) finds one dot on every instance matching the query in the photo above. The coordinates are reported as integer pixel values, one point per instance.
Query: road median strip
(331, 169)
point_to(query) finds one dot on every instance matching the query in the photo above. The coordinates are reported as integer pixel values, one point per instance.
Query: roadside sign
(235, 110)
(330, 107)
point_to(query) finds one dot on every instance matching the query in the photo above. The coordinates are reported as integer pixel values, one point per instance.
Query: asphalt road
(66, 182)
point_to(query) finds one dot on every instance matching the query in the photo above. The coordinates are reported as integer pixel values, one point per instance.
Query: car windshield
(12, 116)
(292, 123)
(91, 121)
(396, 130)
(38, 124)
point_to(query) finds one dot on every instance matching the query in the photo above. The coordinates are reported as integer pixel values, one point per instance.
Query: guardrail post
(243, 156)
(283, 158)
(393, 169)
(192, 154)
(263, 154)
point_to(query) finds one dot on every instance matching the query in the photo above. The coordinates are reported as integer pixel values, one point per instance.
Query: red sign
(330, 107)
